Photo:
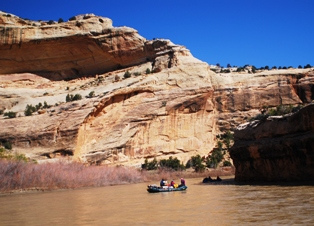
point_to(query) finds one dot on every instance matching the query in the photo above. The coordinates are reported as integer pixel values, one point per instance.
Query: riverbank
(18, 176)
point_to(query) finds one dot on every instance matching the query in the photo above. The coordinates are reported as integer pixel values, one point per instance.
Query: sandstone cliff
(176, 111)
(84, 46)
(279, 149)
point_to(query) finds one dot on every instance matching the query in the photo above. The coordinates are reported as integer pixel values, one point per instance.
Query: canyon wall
(84, 46)
(278, 149)
(178, 110)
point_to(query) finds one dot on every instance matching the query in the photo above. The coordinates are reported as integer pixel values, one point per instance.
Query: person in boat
(172, 183)
(162, 183)
(182, 182)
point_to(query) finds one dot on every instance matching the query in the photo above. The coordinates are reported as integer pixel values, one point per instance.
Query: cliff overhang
(278, 149)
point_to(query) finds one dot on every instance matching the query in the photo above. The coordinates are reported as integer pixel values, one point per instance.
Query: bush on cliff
(29, 110)
(307, 66)
(277, 111)
(72, 18)
(10, 114)
(5, 154)
(91, 94)
(70, 97)
(127, 74)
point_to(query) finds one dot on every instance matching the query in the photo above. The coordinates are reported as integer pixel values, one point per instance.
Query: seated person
(182, 182)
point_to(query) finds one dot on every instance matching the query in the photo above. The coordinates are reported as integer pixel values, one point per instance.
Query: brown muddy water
(200, 204)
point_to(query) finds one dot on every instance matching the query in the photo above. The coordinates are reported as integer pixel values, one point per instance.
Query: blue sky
(239, 32)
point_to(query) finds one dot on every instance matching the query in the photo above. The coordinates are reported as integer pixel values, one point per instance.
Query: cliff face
(279, 149)
(84, 46)
(176, 111)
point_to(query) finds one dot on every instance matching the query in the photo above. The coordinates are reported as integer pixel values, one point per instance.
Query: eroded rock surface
(279, 149)
(176, 111)
(84, 46)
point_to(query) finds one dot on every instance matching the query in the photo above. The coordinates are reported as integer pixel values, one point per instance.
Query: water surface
(201, 204)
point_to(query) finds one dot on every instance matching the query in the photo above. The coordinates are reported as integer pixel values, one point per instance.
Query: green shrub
(127, 74)
(260, 117)
(46, 105)
(29, 110)
(148, 71)
(172, 163)
(10, 114)
(60, 20)
(150, 165)
(196, 162)
(225, 71)
(227, 138)
(39, 106)
(277, 111)
(215, 158)
(20, 157)
(4, 154)
(70, 97)
(91, 94)
(280, 110)
(307, 66)
(72, 18)
(77, 97)
(227, 163)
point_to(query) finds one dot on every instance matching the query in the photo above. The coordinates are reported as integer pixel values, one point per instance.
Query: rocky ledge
(85, 45)
(278, 149)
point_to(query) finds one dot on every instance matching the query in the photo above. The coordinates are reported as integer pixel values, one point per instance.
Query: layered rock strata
(84, 46)
(176, 111)
(278, 149)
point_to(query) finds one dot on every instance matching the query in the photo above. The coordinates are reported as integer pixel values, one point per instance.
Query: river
(200, 204)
